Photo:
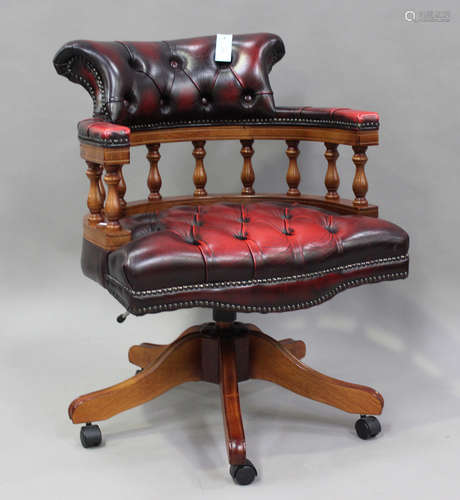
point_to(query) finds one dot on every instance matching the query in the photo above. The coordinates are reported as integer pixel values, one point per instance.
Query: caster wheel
(243, 473)
(139, 371)
(90, 436)
(367, 427)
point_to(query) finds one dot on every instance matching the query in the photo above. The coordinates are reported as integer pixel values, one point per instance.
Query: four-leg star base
(225, 353)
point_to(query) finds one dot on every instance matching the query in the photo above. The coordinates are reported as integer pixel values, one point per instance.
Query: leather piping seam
(267, 309)
(259, 281)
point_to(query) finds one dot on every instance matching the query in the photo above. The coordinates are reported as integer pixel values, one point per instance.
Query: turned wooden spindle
(102, 188)
(122, 190)
(199, 174)
(247, 174)
(154, 178)
(293, 174)
(95, 201)
(360, 185)
(332, 179)
(113, 209)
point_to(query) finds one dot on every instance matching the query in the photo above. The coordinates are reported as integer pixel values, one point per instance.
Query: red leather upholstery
(147, 85)
(263, 256)
(341, 117)
(108, 134)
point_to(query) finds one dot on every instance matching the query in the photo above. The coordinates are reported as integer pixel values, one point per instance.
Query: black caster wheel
(243, 473)
(367, 427)
(139, 371)
(90, 436)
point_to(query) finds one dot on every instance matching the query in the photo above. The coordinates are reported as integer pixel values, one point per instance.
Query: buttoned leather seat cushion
(260, 256)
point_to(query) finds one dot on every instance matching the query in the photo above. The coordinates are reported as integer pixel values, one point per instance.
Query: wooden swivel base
(224, 352)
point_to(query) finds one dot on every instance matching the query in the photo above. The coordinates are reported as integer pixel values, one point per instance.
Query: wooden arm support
(103, 228)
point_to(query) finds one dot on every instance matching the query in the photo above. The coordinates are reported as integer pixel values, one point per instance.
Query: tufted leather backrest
(140, 84)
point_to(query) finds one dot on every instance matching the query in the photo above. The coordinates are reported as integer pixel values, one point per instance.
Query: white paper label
(223, 48)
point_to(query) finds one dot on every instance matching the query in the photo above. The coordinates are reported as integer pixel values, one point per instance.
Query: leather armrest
(330, 117)
(94, 131)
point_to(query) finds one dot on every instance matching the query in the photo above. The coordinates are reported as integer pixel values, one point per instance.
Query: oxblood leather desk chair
(243, 252)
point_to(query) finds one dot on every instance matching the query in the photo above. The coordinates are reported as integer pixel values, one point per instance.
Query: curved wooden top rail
(101, 154)
(257, 132)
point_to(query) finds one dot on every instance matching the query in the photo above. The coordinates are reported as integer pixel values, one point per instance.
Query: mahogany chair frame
(102, 226)
(224, 352)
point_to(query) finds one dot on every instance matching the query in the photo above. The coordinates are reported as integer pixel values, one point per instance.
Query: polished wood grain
(105, 156)
(224, 356)
(360, 181)
(332, 179)
(101, 187)
(103, 228)
(247, 173)
(122, 191)
(95, 201)
(154, 177)
(293, 174)
(272, 362)
(231, 411)
(143, 354)
(107, 219)
(108, 240)
(296, 347)
(179, 363)
(113, 207)
(199, 174)
(256, 132)
(340, 206)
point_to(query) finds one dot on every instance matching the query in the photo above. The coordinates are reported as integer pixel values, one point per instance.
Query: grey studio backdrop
(59, 337)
